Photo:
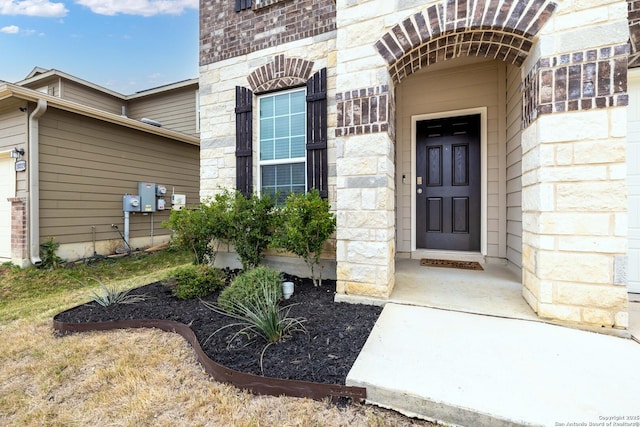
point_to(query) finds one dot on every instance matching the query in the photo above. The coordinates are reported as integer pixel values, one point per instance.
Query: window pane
(281, 104)
(283, 179)
(283, 176)
(297, 124)
(298, 173)
(282, 127)
(266, 149)
(298, 100)
(281, 150)
(266, 128)
(298, 148)
(266, 107)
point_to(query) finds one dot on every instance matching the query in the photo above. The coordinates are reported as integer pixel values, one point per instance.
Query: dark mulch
(335, 333)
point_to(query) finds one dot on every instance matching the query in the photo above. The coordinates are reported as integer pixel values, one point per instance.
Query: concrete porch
(495, 291)
(462, 347)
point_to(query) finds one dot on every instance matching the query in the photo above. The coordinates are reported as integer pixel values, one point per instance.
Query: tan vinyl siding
(13, 134)
(514, 167)
(52, 84)
(87, 165)
(85, 95)
(175, 110)
(454, 88)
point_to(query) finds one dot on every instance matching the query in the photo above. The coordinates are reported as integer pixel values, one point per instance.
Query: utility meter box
(161, 204)
(131, 203)
(147, 192)
(161, 190)
(178, 201)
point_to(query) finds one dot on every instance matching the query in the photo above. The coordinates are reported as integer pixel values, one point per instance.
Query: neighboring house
(489, 130)
(70, 150)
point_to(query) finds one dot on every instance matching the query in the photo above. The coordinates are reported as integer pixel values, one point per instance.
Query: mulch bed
(336, 332)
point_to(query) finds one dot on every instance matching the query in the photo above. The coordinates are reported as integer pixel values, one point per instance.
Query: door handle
(419, 190)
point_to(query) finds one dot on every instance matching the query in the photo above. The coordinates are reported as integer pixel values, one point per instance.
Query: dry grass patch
(133, 378)
(140, 378)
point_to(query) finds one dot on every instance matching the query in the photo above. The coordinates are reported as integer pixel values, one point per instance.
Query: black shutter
(317, 133)
(244, 140)
(242, 5)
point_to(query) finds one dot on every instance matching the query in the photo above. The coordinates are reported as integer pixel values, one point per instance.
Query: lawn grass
(31, 292)
(131, 377)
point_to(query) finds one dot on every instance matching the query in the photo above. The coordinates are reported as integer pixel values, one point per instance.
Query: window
(242, 5)
(282, 142)
(293, 139)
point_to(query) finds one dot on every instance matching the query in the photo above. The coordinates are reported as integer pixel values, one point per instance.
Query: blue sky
(123, 45)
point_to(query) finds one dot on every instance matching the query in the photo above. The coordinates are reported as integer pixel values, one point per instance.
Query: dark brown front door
(448, 183)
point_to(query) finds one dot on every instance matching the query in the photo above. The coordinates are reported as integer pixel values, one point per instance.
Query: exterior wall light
(16, 153)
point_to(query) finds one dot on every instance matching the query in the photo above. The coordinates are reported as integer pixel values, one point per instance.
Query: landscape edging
(250, 382)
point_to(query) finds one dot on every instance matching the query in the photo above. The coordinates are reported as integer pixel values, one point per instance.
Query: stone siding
(275, 67)
(570, 145)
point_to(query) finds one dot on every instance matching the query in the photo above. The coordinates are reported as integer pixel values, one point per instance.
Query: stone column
(365, 192)
(574, 197)
(365, 252)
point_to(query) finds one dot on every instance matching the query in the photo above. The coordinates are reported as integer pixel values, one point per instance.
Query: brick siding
(18, 228)
(498, 29)
(226, 34)
(595, 78)
(364, 111)
(633, 7)
(281, 73)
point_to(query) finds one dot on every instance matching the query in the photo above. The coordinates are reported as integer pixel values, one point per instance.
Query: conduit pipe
(34, 182)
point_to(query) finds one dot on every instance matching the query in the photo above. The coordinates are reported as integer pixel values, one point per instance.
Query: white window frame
(288, 161)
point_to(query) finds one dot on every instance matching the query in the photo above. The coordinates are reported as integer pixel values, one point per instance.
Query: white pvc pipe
(126, 228)
(34, 182)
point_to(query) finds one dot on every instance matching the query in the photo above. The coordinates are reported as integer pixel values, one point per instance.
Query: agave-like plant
(261, 315)
(110, 296)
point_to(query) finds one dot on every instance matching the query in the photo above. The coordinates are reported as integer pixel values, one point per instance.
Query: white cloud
(139, 7)
(11, 29)
(43, 8)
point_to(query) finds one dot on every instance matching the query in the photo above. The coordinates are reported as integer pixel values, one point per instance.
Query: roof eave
(8, 90)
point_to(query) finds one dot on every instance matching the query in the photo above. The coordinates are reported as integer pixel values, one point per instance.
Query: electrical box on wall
(131, 203)
(161, 204)
(147, 192)
(161, 190)
(178, 201)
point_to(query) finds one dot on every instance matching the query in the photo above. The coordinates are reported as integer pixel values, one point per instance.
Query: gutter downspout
(34, 182)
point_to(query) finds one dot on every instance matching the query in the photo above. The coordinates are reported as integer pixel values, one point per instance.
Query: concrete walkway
(477, 370)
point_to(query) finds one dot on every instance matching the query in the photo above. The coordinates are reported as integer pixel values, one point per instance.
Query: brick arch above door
(497, 29)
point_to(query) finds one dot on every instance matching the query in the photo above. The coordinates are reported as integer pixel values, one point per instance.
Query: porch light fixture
(16, 153)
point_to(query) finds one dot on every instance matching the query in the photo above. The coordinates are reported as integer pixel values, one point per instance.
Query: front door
(448, 183)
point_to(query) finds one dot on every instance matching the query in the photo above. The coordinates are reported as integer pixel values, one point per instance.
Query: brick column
(18, 230)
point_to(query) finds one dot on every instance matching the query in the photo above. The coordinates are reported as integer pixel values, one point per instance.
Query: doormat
(466, 265)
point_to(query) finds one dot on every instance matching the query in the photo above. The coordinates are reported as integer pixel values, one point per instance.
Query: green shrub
(303, 227)
(247, 285)
(201, 229)
(195, 281)
(48, 255)
(259, 314)
(251, 222)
